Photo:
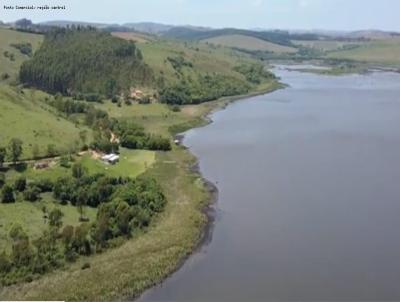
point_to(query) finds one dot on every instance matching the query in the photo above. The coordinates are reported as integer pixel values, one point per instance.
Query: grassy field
(8, 37)
(30, 216)
(378, 51)
(249, 43)
(134, 36)
(132, 163)
(205, 58)
(24, 115)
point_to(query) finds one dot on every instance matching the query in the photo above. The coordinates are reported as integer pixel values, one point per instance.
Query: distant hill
(149, 27)
(249, 43)
(65, 23)
(85, 61)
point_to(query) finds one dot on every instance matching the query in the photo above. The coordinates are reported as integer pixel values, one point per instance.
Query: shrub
(32, 193)
(20, 184)
(7, 194)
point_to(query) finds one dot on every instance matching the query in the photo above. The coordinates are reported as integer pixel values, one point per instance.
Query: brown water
(309, 195)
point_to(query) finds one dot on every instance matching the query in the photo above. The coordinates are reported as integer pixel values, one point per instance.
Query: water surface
(309, 195)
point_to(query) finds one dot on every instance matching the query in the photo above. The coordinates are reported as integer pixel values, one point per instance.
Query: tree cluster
(124, 206)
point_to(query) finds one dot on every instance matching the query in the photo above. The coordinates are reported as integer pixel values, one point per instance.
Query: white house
(110, 158)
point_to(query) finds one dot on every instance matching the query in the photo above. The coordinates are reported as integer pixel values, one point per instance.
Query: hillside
(192, 72)
(24, 115)
(85, 61)
(133, 36)
(378, 51)
(249, 43)
(10, 57)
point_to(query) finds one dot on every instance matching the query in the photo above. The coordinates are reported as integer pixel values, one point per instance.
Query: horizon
(306, 15)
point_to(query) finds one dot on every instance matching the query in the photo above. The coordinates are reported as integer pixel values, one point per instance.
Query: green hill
(85, 60)
(10, 57)
(249, 43)
(23, 115)
(377, 51)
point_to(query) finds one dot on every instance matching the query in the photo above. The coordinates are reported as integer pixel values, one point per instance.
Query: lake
(309, 195)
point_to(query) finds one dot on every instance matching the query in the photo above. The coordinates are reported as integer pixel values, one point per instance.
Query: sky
(267, 14)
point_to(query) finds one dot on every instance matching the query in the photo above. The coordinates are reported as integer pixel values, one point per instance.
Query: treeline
(254, 73)
(124, 206)
(202, 89)
(85, 60)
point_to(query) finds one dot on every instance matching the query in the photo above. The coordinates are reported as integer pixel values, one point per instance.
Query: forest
(85, 60)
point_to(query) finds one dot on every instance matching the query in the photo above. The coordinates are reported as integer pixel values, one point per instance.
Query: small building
(111, 158)
(177, 142)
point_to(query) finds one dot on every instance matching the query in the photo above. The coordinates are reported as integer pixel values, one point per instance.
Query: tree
(20, 184)
(15, 149)
(3, 153)
(78, 170)
(7, 194)
(55, 218)
(32, 193)
(23, 23)
(21, 250)
(81, 203)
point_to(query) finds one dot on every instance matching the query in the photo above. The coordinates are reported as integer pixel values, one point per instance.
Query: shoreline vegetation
(144, 261)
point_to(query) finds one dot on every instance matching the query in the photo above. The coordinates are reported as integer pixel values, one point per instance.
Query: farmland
(249, 43)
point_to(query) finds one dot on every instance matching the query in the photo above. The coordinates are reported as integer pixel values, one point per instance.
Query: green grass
(155, 118)
(249, 43)
(378, 51)
(8, 37)
(30, 216)
(205, 58)
(24, 115)
(132, 163)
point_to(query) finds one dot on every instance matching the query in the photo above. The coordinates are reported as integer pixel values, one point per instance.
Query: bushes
(7, 194)
(24, 48)
(203, 89)
(20, 184)
(32, 193)
(254, 73)
(133, 136)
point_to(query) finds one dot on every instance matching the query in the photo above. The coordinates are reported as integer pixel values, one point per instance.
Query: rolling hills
(249, 43)
(9, 64)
